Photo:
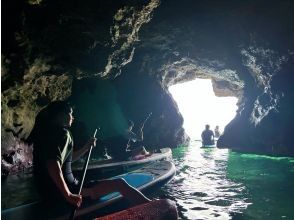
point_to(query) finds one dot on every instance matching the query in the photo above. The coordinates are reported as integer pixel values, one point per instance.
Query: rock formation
(246, 48)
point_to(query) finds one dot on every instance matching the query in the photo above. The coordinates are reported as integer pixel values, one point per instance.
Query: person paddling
(54, 152)
(129, 144)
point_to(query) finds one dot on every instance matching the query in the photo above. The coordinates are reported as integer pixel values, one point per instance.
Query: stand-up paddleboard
(208, 146)
(153, 175)
(154, 210)
(107, 167)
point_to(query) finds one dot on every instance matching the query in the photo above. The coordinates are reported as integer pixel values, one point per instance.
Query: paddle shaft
(146, 120)
(72, 216)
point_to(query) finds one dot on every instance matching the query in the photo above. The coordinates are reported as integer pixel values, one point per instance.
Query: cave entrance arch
(199, 106)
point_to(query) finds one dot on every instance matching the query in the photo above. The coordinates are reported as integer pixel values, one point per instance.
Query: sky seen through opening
(199, 106)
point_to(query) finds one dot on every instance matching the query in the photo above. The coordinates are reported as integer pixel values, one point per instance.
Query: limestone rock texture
(142, 47)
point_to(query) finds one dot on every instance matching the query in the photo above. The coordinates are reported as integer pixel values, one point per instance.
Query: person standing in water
(54, 153)
(207, 136)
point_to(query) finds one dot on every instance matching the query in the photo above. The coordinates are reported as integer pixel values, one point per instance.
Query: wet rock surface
(142, 48)
(17, 156)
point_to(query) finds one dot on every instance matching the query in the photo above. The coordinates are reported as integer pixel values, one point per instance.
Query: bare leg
(104, 187)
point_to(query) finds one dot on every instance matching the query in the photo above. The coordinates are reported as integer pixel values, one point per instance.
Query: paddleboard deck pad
(149, 177)
(146, 178)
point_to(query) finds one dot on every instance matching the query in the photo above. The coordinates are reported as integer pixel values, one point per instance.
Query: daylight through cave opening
(199, 106)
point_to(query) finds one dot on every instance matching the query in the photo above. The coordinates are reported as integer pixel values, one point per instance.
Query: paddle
(143, 124)
(83, 178)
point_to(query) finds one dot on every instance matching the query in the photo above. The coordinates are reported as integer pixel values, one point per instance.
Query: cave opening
(199, 106)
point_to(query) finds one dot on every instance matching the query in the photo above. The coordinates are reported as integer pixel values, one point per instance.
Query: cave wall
(109, 104)
(265, 124)
(139, 95)
(95, 105)
(245, 47)
(46, 45)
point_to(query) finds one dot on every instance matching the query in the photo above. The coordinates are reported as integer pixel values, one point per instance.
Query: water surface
(220, 184)
(209, 184)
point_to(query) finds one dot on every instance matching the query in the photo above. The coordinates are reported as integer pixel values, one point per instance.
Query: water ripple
(201, 188)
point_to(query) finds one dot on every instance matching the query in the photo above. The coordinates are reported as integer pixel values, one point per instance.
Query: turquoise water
(220, 184)
(210, 184)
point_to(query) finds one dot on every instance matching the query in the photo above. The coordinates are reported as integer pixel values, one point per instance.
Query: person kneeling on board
(53, 155)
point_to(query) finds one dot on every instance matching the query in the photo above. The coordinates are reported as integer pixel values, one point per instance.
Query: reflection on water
(209, 184)
(17, 190)
(269, 181)
(219, 184)
(201, 188)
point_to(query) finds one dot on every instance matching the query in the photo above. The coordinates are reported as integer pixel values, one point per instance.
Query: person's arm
(55, 172)
(140, 135)
(80, 152)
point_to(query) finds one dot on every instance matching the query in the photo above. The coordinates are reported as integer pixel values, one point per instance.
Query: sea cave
(116, 61)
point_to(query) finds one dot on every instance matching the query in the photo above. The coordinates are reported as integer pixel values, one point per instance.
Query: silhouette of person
(207, 136)
(129, 144)
(54, 152)
(216, 132)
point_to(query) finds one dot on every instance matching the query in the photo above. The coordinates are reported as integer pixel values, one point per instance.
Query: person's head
(130, 125)
(56, 113)
(60, 113)
(217, 127)
(207, 127)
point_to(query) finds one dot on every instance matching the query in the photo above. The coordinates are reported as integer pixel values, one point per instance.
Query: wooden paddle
(72, 216)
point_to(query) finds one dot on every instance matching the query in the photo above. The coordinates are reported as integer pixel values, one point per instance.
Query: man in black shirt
(207, 136)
